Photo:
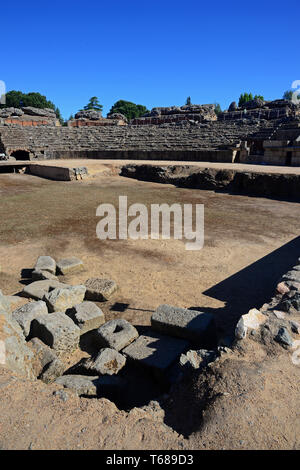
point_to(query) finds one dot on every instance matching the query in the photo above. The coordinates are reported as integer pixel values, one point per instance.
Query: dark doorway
(237, 157)
(20, 155)
(288, 159)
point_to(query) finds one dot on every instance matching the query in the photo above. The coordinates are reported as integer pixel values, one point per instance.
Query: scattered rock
(295, 326)
(282, 288)
(252, 320)
(80, 384)
(58, 331)
(62, 394)
(290, 301)
(87, 316)
(99, 289)
(116, 334)
(45, 263)
(107, 362)
(25, 314)
(63, 298)
(283, 337)
(45, 364)
(187, 324)
(293, 275)
(38, 289)
(197, 359)
(69, 265)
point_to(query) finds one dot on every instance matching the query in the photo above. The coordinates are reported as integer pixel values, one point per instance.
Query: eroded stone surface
(45, 263)
(197, 359)
(38, 289)
(81, 384)
(58, 331)
(252, 320)
(40, 275)
(100, 289)
(188, 324)
(69, 265)
(45, 364)
(107, 361)
(63, 298)
(116, 334)
(87, 316)
(25, 314)
(155, 351)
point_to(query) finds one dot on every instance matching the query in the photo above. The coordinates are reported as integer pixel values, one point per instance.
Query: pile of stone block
(50, 327)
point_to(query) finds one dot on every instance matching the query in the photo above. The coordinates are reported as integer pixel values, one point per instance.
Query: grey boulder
(45, 263)
(87, 316)
(99, 289)
(58, 331)
(69, 265)
(27, 313)
(115, 334)
(63, 298)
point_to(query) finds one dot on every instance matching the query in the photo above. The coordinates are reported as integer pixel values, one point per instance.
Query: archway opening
(20, 155)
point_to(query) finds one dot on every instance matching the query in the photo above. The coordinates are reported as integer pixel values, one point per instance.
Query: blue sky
(154, 53)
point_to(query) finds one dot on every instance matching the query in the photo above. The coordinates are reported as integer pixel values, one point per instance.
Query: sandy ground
(249, 243)
(98, 166)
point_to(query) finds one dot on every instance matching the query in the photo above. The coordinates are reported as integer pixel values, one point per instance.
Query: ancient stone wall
(117, 141)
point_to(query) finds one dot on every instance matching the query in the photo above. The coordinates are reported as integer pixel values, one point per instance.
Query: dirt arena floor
(249, 243)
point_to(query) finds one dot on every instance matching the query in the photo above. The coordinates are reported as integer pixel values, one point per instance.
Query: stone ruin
(259, 132)
(260, 109)
(175, 114)
(28, 116)
(94, 118)
(126, 365)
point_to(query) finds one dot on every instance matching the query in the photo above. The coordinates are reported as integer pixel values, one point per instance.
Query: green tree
(288, 95)
(244, 98)
(94, 104)
(18, 99)
(128, 109)
(218, 109)
(188, 101)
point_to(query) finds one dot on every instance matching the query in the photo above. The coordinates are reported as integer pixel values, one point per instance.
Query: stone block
(63, 298)
(58, 331)
(107, 362)
(104, 386)
(69, 265)
(38, 289)
(25, 314)
(197, 359)
(87, 316)
(81, 384)
(45, 363)
(45, 263)
(39, 275)
(115, 334)
(4, 304)
(198, 327)
(99, 289)
(156, 352)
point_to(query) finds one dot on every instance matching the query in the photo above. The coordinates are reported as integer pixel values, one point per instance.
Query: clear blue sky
(154, 53)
